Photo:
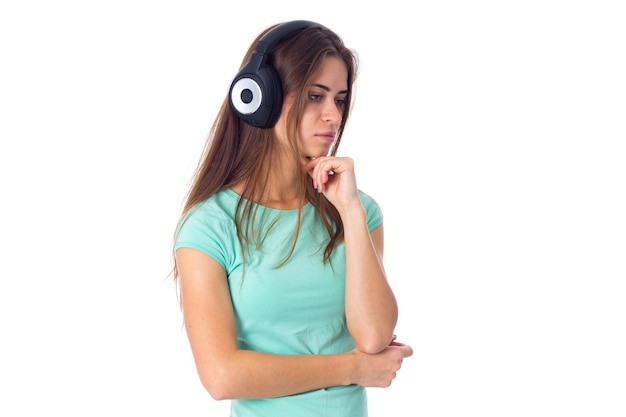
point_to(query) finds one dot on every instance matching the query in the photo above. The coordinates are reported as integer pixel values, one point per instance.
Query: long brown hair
(236, 152)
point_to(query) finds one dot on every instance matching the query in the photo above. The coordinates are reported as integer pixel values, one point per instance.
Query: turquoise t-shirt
(297, 308)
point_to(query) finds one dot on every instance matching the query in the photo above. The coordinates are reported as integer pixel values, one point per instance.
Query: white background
(491, 133)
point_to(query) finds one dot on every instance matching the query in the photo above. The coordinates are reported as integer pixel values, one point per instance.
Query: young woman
(278, 254)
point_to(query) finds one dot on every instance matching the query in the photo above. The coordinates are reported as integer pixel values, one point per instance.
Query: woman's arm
(371, 307)
(229, 372)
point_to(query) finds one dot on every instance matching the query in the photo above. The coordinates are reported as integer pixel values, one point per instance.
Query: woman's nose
(332, 113)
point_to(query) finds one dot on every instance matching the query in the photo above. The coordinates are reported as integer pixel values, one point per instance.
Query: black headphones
(256, 93)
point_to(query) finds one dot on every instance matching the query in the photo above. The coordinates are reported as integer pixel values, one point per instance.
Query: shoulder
(372, 209)
(220, 204)
(209, 220)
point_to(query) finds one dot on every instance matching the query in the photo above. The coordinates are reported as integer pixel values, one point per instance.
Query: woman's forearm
(371, 307)
(248, 374)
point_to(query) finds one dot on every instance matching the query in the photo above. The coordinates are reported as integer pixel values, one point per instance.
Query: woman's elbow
(216, 386)
(372, 348)
(373, 344)
(216, 394)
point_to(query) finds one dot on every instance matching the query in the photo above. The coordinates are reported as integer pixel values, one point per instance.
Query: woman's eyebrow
(326, 88)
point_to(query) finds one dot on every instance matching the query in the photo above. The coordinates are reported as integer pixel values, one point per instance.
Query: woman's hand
(380, 369)
(335, 177)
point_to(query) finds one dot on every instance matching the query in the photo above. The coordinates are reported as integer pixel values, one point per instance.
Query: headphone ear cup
(256, 93)
(256, 96)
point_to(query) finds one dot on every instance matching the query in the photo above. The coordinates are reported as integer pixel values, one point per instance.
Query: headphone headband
(280, 33)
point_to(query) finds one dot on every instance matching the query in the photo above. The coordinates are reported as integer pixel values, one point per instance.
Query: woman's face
(323, 110)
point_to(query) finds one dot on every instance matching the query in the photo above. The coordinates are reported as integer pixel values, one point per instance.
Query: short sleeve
(206, 228)
(373, 211)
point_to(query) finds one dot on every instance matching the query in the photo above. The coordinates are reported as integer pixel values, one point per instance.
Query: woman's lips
(328, 136)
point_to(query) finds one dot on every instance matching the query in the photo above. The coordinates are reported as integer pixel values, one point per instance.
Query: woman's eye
(315, 97)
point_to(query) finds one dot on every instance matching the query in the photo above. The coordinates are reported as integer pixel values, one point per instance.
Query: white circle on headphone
(246, 84)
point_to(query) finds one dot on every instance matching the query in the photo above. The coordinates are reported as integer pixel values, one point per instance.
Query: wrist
(352, 212)
(347, 366)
